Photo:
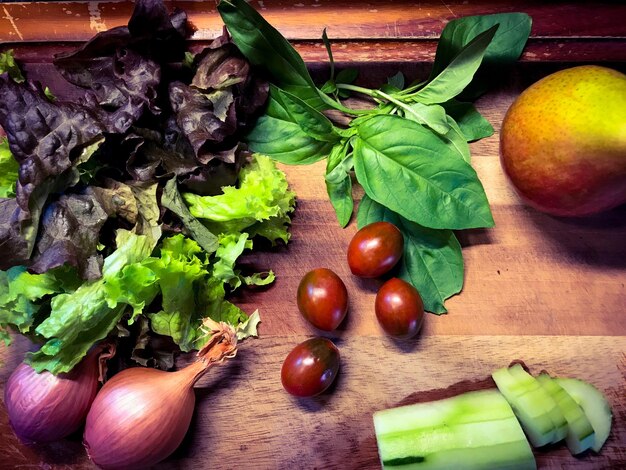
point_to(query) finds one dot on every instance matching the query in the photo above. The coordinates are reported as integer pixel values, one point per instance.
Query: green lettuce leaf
(20, 293)
(249, 327)
(8, 170)
(81, 318)
(172, 200)
(8, 65)
(231, 247)
(262, 202)
(194, 287)
(180, 271)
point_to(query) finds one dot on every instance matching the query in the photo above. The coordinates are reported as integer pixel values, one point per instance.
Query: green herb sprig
(409, 151)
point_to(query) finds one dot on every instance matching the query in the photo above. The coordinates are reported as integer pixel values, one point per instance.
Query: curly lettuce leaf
(8, 65)
(69, 235)
(231, 246)
(172, 200)
(194, 287)
(83, 169)
(262, 197)
(197, 118)
(48, 140)
(223, 98)
(81, 318)
(20, 293)
(8, 170)
(249, 327)
(180, 270)
(122, 67)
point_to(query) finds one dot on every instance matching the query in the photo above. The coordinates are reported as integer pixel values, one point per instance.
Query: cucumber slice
(475, 430)
(553, 409)
(580, 434)
(595, 406)
(530, 407)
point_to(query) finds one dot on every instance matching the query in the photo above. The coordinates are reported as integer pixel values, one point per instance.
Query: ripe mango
(563, 141)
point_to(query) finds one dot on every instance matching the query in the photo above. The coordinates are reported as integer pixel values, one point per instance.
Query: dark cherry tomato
(399, 308)
(310, 367)
(323, 298)
(375, 249)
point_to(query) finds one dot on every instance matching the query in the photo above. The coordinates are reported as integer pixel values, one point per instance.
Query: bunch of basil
(409, 152)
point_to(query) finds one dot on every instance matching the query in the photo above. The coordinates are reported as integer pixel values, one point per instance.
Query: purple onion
(44, 407)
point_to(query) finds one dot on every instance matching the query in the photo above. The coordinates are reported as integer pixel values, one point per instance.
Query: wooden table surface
(548, 291)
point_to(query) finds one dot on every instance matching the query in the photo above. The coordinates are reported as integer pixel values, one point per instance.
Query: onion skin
(141, 415)
(43, 407)
(139, 418)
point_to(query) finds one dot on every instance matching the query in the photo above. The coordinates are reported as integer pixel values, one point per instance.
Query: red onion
(141, 415)
(43, 407)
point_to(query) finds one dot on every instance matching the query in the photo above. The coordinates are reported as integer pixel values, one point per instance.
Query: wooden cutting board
(548, 291)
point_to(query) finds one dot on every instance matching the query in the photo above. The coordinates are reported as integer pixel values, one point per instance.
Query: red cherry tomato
(310, 367)
(399, 308)
(323, 298)
(375, 249)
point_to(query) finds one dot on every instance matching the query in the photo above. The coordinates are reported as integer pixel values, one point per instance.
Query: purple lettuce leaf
(196, 117)
(122, 67)
(45, 138)
(221, 100)
(70, 231)
(14, 237)
(48, 139)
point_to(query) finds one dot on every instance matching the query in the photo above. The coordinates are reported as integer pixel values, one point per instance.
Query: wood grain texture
(548, 291)
(382, 30)
(395, 51)
(245, 420)
(297, 19)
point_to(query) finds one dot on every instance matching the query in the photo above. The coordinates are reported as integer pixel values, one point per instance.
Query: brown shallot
(141, 415)
(43, 407)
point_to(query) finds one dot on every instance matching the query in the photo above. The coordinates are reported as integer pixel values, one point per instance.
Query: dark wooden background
(545, 290)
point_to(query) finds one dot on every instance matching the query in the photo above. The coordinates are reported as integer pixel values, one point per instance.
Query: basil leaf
(432, 260)
(329, 87)
(457, 140)
(471, 123)
(329, 51)
(459, 73)
(339, 183)
(277, 135)
(506, 46)
(430, 115)
(266, 48)
(347, 75)
(311, 121)
(412, 171)
(340, 195)
(396, 81)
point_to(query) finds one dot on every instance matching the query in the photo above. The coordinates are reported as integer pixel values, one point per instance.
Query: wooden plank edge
(384, 19)
(387, 51)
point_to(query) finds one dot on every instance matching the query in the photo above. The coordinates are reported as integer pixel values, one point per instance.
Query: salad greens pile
(409, 151)
(124, 212)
